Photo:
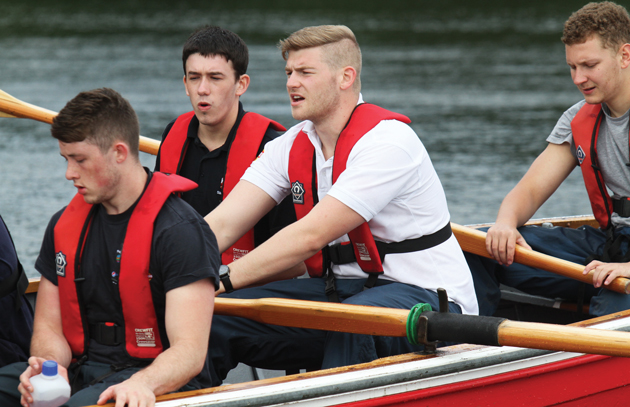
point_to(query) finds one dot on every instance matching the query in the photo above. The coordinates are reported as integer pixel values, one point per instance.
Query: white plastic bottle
(50, 389)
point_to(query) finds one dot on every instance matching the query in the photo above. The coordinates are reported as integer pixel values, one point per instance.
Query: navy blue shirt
(16, 325)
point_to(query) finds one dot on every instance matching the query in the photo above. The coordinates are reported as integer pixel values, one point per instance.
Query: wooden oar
(441, 326)
(474, 241)
(317, 315)
(12, 107)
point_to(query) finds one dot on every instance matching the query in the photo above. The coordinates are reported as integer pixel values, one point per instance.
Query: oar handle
(20, 109)
(474, 241)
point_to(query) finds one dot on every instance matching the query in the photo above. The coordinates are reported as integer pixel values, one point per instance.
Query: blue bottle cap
(49, 368)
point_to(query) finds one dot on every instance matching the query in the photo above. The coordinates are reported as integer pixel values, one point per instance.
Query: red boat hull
(588, 380)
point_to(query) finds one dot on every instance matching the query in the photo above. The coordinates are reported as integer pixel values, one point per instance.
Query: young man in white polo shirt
(373, 184)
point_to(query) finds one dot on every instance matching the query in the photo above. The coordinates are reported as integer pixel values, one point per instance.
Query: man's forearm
(50, 346)
(48, 340)
(516, 209)
(172, 369)
(328, 220)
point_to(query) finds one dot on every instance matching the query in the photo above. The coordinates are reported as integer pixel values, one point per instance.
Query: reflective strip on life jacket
(142, 334)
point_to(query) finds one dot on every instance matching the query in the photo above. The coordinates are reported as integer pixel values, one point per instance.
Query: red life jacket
(585, 129)
(303, 177)
(247, 140)
(142, 335)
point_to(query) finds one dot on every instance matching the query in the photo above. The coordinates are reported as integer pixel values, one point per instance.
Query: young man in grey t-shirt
(592, 134)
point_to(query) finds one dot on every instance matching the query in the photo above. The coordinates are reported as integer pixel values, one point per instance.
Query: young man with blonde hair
(592, 134)
(373, 224)
(128, 271)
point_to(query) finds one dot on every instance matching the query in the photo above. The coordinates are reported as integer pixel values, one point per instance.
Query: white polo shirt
(390, 181)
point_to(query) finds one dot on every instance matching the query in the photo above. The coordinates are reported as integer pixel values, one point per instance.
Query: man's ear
(348, 76)
(242, 84)
(624, 52)
(121, 151)
(186, 87)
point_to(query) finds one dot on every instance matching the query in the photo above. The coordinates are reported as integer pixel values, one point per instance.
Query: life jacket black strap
(329, 277)
(343, 253)
(107, 333)
(371, 280)
(622, 207)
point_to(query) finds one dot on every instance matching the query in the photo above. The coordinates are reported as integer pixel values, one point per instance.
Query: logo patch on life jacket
(297, 190)
(238, 253)
(364, 253)
(60, 262)
(145, 338)
(580, 154)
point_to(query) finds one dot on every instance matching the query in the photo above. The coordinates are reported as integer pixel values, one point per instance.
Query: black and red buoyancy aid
(247, 140)
(303, 177)
(585, 129)
(142, 335)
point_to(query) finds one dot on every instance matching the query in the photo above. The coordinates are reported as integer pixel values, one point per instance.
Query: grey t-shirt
(612, 151)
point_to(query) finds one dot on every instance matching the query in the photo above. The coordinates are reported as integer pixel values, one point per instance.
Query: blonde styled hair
(339, 44)
(608, 20)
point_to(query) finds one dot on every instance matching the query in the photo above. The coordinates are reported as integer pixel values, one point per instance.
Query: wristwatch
(224, 275)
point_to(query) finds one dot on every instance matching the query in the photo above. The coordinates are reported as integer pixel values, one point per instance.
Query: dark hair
(101, 117)
(212, 40)
(608, 20)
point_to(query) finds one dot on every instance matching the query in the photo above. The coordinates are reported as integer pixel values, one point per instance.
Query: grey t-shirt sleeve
(561, 132)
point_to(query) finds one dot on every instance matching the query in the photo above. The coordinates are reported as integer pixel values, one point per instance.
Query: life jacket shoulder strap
(243, 150)
(173, 148)
(585, 130)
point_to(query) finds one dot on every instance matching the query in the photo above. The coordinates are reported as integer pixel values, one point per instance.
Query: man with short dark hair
(592, 134)
(214, 144)
(128, 271)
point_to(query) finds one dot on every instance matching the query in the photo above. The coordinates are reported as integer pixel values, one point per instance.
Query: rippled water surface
(483, 82)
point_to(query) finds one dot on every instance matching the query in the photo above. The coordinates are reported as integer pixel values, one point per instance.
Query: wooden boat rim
(449, 364)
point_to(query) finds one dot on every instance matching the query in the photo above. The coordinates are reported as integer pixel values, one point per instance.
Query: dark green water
(483, 82)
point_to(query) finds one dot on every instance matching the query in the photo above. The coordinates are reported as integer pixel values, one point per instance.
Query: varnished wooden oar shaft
(441, 326)
(12, 107)
(564, 338)
(317, 315)
(474, 241)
